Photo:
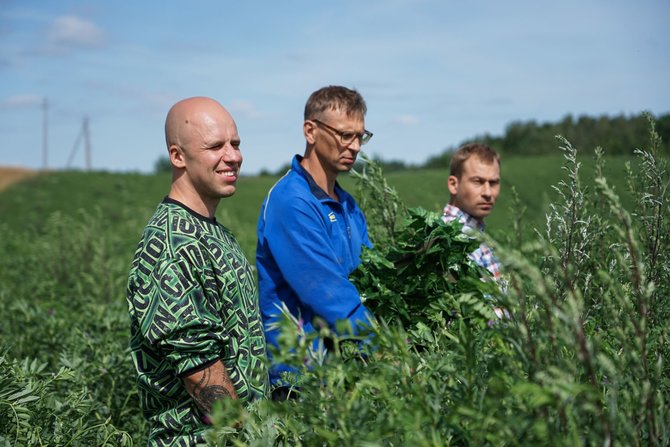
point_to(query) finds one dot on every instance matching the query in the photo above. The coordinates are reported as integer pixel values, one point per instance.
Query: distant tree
(393, 165)
(162, 165)
(618, 135)
(390, 165)
(386, 165)
(440, 161)
(663, 129)
(283, 169)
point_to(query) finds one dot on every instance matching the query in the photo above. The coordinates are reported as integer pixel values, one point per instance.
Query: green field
(583, 362)
(532, 177)
(134, 196)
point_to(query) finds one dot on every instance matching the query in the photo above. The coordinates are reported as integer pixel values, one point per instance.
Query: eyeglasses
(346, 138)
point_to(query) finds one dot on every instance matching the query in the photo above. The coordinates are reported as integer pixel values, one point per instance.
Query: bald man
(196, 331)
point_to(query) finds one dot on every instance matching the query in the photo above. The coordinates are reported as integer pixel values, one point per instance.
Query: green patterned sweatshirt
(192, 300)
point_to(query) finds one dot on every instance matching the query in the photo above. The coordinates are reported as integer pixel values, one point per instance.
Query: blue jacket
(308, 244)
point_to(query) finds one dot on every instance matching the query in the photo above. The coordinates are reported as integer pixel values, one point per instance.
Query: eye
(347, 135)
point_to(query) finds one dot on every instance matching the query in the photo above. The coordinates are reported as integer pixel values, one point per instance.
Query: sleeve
(308, 261)
(184, 324)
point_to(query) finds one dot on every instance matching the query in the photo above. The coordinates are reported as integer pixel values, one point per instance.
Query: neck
(478, 220)
(323, 178)
(193, 200)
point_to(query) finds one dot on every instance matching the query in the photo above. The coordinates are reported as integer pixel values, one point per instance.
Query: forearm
(209, 385)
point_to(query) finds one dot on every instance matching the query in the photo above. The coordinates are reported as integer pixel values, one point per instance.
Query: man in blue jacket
(311, 231)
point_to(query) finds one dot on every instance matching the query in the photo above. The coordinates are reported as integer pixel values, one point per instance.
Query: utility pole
(87, 144)
(45, 149)
(86, 135)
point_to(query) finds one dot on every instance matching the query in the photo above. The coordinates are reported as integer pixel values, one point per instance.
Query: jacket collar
(313, 187)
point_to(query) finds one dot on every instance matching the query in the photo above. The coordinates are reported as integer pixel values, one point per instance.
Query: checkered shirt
(483, 256)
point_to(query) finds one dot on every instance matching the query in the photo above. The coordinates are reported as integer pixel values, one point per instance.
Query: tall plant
(380, 202)
(578, 362)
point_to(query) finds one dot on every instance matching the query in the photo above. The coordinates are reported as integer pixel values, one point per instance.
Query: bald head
(204, 149)
(186, 118)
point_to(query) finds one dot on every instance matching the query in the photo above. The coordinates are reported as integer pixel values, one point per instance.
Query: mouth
(229, 174)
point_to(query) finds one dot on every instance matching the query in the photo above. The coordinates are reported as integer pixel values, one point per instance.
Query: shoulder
(291, 192)
(290, 185)
(349, 203)
(173, 229)
(346, 198)
(451, 213)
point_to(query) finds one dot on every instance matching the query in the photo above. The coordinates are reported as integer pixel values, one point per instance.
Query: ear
(309, 130)
(177, 156)
(452, 184)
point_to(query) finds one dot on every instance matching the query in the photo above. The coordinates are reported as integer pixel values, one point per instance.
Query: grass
(582, 364)
(531, 176)
(120, 196)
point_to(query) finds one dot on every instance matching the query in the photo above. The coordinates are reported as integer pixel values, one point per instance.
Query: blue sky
(434, 73)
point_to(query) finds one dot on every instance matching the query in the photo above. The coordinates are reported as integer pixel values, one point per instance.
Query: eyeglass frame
(363, 137)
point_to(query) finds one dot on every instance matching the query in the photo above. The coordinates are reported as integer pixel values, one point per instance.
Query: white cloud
(74, 32)
(20, 101)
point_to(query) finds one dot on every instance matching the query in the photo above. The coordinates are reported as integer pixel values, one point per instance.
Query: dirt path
(9, 175)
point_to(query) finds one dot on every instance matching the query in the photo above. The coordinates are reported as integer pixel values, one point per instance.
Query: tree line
(617, 135)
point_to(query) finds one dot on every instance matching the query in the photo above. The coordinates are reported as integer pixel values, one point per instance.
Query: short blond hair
(483, 152)
(335, 97)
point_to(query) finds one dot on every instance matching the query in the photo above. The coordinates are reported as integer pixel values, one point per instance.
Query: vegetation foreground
(582, 360)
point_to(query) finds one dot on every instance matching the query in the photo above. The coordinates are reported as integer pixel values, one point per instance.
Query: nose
(355, 145)
(232, 154)
(487, 191)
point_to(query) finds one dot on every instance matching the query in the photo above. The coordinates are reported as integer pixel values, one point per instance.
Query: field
(29, 203)
(564, 371)
(9, 175)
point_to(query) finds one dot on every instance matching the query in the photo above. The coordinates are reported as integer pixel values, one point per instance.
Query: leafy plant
(32, 413)
(415, 279)
(579, 360)
(582, 359)
(380, 201)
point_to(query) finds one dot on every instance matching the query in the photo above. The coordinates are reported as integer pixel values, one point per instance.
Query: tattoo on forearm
(205, 394)
(206, 397)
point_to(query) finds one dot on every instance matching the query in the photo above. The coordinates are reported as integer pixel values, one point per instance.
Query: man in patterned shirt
(196, 332)
(474, 185)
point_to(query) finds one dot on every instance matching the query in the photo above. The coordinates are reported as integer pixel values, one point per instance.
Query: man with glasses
(311, 231)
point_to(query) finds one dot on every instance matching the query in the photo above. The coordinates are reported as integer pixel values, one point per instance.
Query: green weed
(581, 360)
